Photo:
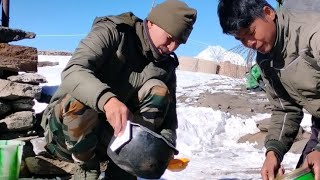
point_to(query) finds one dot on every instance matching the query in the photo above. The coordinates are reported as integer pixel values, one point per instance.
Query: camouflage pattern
(93, 76)
(75, 128)
(121, 63)
(71, 127)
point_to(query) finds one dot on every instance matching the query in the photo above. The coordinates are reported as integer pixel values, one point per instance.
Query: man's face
(163, 41)
(261, 34)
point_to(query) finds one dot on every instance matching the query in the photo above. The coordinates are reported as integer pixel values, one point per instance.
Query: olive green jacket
(114, 60)
(291, 73)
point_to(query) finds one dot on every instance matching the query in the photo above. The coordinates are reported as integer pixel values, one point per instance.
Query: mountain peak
(219, 54)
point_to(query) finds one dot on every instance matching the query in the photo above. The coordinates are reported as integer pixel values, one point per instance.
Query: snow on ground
(207, 137)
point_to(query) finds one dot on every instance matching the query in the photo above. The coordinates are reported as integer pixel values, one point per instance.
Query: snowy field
(207, 137)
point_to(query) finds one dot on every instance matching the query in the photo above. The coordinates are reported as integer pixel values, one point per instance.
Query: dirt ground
(237, 102)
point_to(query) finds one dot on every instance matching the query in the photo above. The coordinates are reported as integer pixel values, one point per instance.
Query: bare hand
(271, 167)
(117, 115)
(313, 161)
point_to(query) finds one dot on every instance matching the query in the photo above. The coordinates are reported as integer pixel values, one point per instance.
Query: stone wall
(19, 88)
(19, 85)
(212, 67)
(232, 70)
(17, 118)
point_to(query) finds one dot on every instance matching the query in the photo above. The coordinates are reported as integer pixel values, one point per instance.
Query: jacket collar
(282, 29)
(149, 49)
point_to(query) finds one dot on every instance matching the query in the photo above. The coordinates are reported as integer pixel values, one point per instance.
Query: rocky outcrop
(8, 35)
(19, 88)
(41, 165)
(17, 101)
(11, 90)
(30, 78)
(18, 58)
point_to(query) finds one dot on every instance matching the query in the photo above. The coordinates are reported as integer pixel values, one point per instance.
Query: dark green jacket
(291, 73)
(114, 60)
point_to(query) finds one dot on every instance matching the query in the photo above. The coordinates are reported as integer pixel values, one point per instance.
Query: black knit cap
(175, 17)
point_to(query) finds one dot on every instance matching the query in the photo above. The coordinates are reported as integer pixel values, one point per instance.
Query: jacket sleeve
(285, 118)
(79, 78)
(315, 46)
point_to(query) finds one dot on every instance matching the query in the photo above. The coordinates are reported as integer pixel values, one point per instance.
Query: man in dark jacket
(288, 45)
(123, 70)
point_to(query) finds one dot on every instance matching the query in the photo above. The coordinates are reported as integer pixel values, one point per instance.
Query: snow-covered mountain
(219, 54)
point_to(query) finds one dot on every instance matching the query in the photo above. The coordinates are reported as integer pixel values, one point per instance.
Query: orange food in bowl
(178, 164)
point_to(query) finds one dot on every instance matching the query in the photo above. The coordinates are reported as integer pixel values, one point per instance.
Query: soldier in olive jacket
(124, 69)
(288, 45)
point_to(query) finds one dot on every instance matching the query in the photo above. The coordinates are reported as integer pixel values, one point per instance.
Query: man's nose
(250, 43)
(173, 46)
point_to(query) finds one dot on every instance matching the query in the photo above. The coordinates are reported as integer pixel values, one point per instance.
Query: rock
(38, 145)
(4, 108)
(18, 121)
(12, 90)
(9, 35)
(25, 104)
(264, 124)
(40, 165)
(30, 78)
(257, 138)
(24, 172)
(47, 63)
(18, 58)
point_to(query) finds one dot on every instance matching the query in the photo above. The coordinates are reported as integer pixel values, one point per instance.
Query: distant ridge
(219, 54)
(55, 53)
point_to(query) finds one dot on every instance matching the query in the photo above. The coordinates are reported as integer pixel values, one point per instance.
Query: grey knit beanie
(175, 17)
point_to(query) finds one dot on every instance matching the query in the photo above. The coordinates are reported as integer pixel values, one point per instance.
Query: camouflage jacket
(114, 60)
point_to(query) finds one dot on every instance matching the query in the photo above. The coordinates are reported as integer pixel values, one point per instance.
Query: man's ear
(269, 13)
(149, 24)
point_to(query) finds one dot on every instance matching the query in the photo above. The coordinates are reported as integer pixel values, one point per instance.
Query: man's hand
(117, 115)
(312, 160)
(271, 167)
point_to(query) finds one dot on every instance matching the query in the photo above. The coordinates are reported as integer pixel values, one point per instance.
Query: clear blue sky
(61, 24)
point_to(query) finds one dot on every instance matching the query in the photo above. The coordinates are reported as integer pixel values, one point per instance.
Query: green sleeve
(79, 78)
(286, 114)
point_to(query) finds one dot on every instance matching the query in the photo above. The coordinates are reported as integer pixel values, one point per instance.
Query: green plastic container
(298, 174)
(10, 159)
(308, 176)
